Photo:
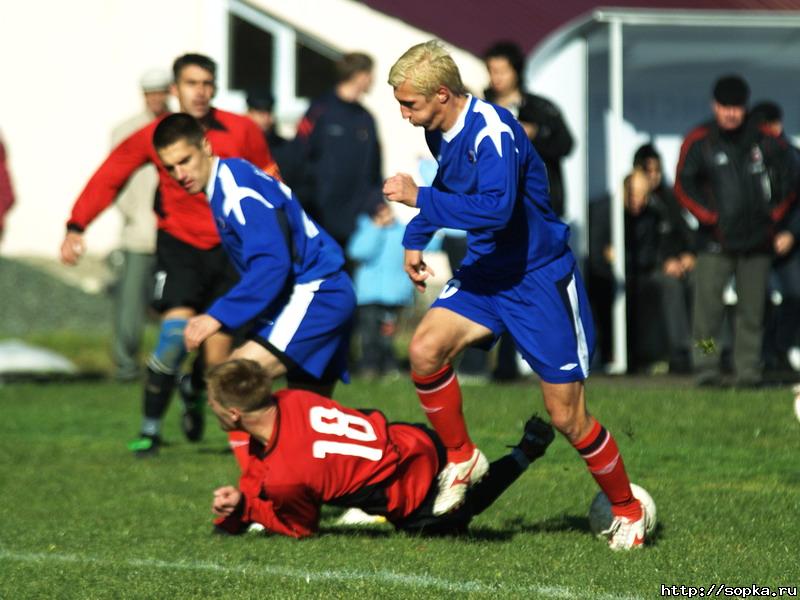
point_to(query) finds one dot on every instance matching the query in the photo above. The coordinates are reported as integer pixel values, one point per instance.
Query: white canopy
(626, 76)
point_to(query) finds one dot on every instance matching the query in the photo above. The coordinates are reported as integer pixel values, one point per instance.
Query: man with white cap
(138, 235)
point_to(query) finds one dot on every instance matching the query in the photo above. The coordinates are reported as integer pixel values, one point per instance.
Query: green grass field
(82, 519)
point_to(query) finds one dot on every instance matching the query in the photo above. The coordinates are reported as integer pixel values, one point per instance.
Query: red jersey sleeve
(107, 181)
(298, 518)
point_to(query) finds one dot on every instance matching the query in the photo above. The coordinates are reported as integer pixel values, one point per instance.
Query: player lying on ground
(191, 267)
(519, 276)
(293, 297)
(307, 450)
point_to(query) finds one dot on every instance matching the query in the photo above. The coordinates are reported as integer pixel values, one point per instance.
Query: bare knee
(568, 421)
(256, 352)
(426, 354)
(566, 405)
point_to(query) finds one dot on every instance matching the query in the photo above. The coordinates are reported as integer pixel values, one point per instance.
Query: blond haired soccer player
(307, 450)
(519, 275)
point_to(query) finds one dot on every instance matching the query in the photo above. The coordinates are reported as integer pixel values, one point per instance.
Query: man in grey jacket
(138, 236)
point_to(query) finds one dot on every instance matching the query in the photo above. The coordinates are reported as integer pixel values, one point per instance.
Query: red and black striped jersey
(323, 452)
(182, 215)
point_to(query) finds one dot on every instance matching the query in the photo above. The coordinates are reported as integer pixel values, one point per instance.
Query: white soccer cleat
(255, 528)
(455, 479)
(625, 534)
(356, 516)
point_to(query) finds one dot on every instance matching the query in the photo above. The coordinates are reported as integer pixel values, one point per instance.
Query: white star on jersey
(494, 127)
(234, 194)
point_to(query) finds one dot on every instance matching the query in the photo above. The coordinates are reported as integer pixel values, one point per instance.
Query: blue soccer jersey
(272, 242)
(492, 184)
(519, 274)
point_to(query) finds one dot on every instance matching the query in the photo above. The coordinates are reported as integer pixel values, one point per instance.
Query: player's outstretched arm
(72, 248)
(416, 269)
(198, 329)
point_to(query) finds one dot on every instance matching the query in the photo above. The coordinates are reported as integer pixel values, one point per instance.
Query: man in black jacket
(738, 181)
(335, 160)
(659, 265)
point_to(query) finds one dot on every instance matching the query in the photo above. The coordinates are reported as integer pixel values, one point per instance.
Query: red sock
(239, 441)
(440, 396)
(603, 459)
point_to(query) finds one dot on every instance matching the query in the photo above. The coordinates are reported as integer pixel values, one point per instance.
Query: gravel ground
(36, 300)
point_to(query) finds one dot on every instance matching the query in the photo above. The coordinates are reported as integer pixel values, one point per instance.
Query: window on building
(251, 51)
(316, 73)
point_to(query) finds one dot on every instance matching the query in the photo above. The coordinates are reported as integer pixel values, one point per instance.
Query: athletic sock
(440, 396)
(502, 473)
(157, 392)
(604, 461)
(239, 441)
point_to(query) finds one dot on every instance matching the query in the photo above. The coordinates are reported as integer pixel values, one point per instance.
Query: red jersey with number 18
(324, 452)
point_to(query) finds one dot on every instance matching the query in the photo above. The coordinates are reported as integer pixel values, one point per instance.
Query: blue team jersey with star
(492, 184)
(268, 237)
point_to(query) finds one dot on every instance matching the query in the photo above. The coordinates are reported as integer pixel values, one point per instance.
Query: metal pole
(617, 170)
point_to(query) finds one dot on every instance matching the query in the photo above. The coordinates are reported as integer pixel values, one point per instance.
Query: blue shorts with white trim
(311, 326)
(546, 311)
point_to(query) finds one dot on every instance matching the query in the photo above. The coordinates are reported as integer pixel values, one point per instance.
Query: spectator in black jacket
(659, 265)
(782, 333)
(541, 118)
(335, 159)
(260, 108)
(738, 180)
(549, 134)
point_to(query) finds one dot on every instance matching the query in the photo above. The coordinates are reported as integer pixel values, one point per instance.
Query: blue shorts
(311, 327)
(546, 312)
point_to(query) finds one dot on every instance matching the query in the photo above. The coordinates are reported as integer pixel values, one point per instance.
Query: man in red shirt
(307, 450)
(192, 268)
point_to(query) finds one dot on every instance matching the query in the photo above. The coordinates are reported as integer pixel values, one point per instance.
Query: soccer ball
(600, 516)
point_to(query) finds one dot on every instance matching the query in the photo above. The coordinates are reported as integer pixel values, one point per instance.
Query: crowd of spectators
(711, 277)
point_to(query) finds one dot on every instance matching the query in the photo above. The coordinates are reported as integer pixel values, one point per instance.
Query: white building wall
(562, 79)
(70, 73)
(350, 26)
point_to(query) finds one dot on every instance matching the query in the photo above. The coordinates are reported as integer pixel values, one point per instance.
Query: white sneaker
(455, 479)
(356, 516)
(255, 528)
(624, 534)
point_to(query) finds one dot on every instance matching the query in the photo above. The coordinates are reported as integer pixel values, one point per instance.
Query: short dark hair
(176, 127)
(767, 111)
(260, 99)
(352, 63)
(645, 153)
(731, 90)
(510, 51)
(198, 60)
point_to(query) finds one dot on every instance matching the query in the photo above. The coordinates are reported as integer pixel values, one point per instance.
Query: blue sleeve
(366, 241)
(267, 264)
(419, 232)
(491, 205)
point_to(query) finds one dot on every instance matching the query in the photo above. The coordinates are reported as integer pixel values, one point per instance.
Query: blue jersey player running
(518, 276)
(293, 298)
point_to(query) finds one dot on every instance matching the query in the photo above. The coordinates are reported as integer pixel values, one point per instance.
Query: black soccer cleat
(146, 446)
(538, 436)
(193, 415)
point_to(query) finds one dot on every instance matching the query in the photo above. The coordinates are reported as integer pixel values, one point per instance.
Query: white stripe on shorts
(580, 335)
(288, 321)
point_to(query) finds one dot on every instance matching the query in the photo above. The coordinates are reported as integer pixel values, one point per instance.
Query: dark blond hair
(351, 64)
(427, 66)
(240, 383)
